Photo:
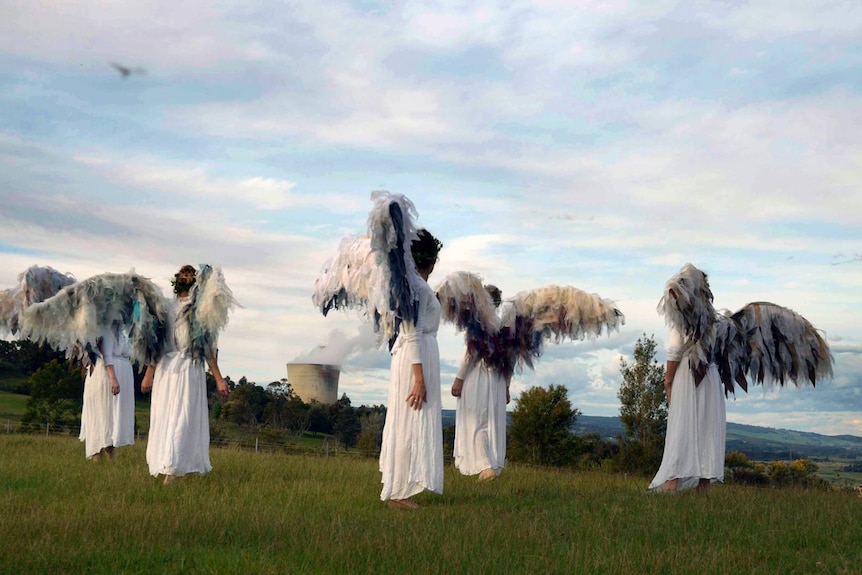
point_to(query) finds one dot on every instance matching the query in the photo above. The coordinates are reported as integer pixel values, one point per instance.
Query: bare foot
(670, 485)
(96, 457)
(169, 479)
(487, 475)
(703, 486)
(110, 451)
(402, 504)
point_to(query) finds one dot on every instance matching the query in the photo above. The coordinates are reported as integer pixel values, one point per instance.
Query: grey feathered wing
(74, 318)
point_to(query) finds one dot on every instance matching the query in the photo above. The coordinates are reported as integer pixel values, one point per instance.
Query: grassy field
(12, 406)
(276, 513)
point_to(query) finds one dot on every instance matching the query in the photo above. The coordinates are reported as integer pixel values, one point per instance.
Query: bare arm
(221, 384)
(670, 371)
(147, 383)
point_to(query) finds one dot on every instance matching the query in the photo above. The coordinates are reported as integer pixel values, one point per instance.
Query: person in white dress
(480, 417)
(411, 457)
(696, 426)
(108, 414)
(179, 436)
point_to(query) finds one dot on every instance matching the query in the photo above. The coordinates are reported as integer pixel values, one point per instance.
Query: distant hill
(758, 443)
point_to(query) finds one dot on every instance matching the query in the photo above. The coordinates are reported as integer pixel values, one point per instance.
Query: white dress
(480, 419)
(179, 437)
(108, 420)
(695, 440)
(411, 457)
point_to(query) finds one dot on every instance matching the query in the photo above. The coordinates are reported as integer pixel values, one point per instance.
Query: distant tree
(22, 358)
(799, 473)
(744, 471)
(319, 420)
(643, 409)
(592, 451)
(345, 423)
(246, 404)
(276, 413)
(56, 395)
(540, 429)
(371, 437)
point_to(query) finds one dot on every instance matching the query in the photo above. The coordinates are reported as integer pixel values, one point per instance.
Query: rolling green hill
(758, 443)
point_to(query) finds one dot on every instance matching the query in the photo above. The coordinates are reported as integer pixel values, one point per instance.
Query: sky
(595, 144)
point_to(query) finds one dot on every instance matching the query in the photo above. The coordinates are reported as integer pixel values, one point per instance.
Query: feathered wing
(392, 230)
(687, 306)
(730, 353)
(465, 303)
(74, 318)
(207, 312)
(35, 285)
(375, 272)
(778, 345)
(350, 279)
(555, 313)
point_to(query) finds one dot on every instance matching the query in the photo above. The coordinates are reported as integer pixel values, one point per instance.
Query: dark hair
(425, 249)
(182, 287)
(495, 293)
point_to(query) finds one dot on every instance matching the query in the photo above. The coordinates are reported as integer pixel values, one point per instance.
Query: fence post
(47, 428)
(256, 448)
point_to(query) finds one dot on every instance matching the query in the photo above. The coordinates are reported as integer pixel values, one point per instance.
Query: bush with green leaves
(56, 395)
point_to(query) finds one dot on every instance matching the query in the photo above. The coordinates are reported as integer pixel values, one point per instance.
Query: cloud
(339, 347)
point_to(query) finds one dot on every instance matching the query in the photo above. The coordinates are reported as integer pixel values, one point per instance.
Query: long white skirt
(696, 427)
(179, 437)
(480, 422)
(106, 419)
(411, 457)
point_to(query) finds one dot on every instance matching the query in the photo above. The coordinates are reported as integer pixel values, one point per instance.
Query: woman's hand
(147, 383)
(457, 385)
(417, 395)
(115, 383)
(223, 389)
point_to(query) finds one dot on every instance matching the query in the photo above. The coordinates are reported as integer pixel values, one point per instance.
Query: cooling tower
(314, 381)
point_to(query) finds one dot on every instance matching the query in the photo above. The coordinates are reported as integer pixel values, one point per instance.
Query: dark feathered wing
(778, 346)
(465, 303)
(376, 272)
(74, 318)
(555, 313)
(687, 306)
(35, 285)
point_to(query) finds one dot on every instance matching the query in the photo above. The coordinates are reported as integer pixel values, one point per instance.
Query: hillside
(759, 443)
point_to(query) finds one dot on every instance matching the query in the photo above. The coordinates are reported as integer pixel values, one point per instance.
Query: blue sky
(597, 144)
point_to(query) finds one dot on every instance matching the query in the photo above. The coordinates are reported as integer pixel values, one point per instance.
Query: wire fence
(328, 447)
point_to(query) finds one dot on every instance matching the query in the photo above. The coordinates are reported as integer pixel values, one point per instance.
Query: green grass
(12, 406)
(276, 513)
(832, 471)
